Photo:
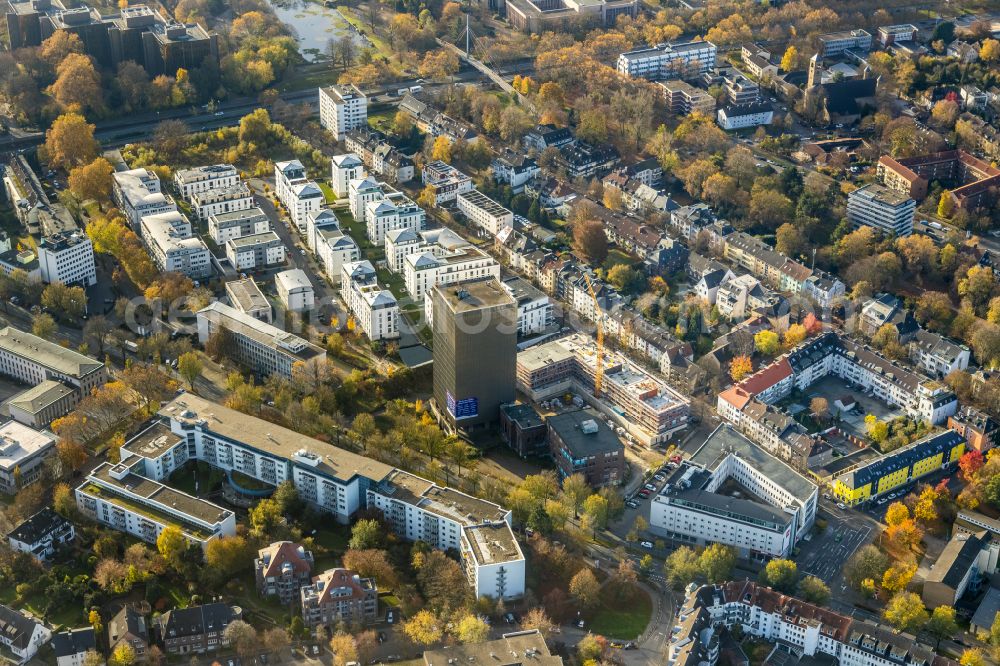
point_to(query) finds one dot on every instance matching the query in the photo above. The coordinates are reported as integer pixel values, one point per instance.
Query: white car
(646, 544)
(841, 505)
(650, 487)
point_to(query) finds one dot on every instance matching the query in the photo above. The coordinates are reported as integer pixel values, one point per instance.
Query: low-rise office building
(256, 251)
(222, 200)
(581, 442)
(67, 258)
(236, 224)
(263, 348)
(34, 360)
(339, 596)
(174, 247)
(137, 194)
(835, 43)
(484, 212)
(201, 179)
(40, 405)
(246, 296)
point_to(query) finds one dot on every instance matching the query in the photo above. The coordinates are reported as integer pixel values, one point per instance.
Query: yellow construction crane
(599, 371)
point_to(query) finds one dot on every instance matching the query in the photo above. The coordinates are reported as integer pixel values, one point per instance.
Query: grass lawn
(622, 618)
(615, 257)
(208, 477)
(327, 191)
(393, 281)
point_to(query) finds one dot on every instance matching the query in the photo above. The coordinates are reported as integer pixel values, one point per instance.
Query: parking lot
(824, 555)
(853, 422)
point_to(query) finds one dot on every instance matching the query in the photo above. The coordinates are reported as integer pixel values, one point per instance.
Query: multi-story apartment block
(937, 355)
(316, 221)
(535, 311)
(893, 34)
(514, 169)
(971, 179)
(295, 291)
(173, 245)
(226, 226)
(872, 479)
(246, 296)
(121, 497)
(196, 629)
(361, 192)
(484, 212)
(421, 272)
(547, 136)
(375, 309)
(304, 198)
(23, 451)
(344, 169)
(834, 43)
(882, 209)
(255, 251)
(536, 16)
(400, 243)
(887, 310)
(67, 258)
(673, 60)
(287, 174)
(263, 348)
(204, 178)
(740, 89)
(221, 200)
(282, 569)
(34, 360)
(446, 181)
(339, 595)
(584, 160)
(580, 442)
(42, 535)
(137, 194)
(740, 116)
(980, 431)
(342, 108)
(682, 99)
(757, 61)
(22, 635)
(644, 406)
(446, 519)
(336, 249)
(694, 506)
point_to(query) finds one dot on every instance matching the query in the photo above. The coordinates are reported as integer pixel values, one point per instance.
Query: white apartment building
(884, 210)
(304, 198)
(67, 258)
(287, 174)
(375, 309)
(256, 251)
(332, 480)
(226, 226)
(446, 181)
(334, 250)
(343, 169)
(23, 451)
(246, 296)
(673, 60)
(691, 508)
(201, 179)
(34, 360)
(222, 200)
(263, 348)
(123, 497)
(316, 221)
(399, 243)
(137, 194)
(835, 43)
(484, 212)
(342, 108)
(424, 270)
(937, 355)
(535, 311)
(446, 519)
(169, 239)
(392, 211)
(740, 116)
(295, 291)
(361, 192)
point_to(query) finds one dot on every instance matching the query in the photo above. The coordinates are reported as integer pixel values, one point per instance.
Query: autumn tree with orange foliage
(740, 367)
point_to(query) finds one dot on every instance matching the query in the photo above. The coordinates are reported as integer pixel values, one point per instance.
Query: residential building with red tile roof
(339, 595)
(282, 569)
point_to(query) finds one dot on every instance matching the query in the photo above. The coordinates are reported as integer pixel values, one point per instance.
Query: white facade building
(484, 212)
(394, 210)
(317, 220)
(264, 348)
(255, 251)
(295, 291)
(137, 194)
(882, 209)
(424, 270)
(342, 108)
(446, 181)
(67, 258)
(222, 200)
(375, 309)
(336, 249)
(236, 224)
(246, 296)
(305, 198)
(22, 635)
(361, 192)
(535, 311)
(674, 60)
(399, 243)
(168, 236)
(344, 169)
(23, 450)
(201, 179)
(732, 117)
(33, 360)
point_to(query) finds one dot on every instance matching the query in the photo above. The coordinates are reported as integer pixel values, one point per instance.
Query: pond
(314, 25)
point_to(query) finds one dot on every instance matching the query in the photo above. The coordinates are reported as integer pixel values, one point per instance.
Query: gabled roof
(195, 621)
(16, 628)
(73, 642)
(272, 560)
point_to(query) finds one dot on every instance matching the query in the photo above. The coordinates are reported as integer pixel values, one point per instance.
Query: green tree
(44, 326)
(366, 534)
(596, 509)
(781, 574)
(266, 518)
(575, 489)
(716, 562)
(190, 367)
(681, 567)
(867, 563)
(814, 590)
(172, 545)
(906, 612)
(942, 624)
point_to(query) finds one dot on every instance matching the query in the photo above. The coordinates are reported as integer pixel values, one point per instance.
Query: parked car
(841, 505)
(646, 544)
(650, 487)
(632, 504)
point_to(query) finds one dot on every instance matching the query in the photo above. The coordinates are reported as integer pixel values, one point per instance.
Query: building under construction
(643, 405)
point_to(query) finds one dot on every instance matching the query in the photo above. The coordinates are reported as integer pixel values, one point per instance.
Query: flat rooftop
(584, 432)
(154, 441)
(480, 200)
(236, 216)
(260, 331)
(54, 357)
(445, 502)
(462, 297)
(726, 440)
(493, 544)
(272, 439)
(18, 442)
(266, 238)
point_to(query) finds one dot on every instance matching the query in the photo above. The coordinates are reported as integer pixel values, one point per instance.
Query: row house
(434, 122)
(779, 271)
(380, 156)
(196, 629)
